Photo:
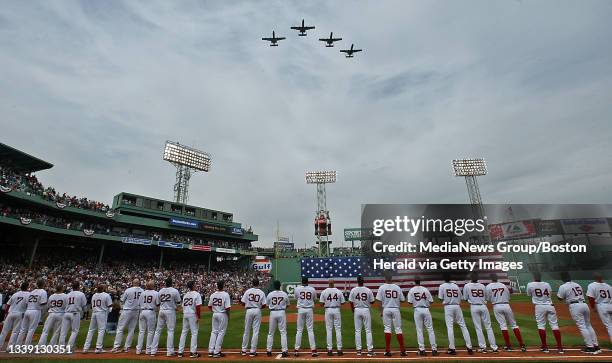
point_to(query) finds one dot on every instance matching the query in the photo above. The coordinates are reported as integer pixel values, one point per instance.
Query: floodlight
(186, 156)
(321, 177)
(469, 167)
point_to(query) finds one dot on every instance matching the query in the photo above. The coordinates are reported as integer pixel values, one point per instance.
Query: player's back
(331, 297)
(219, 301)
(601, 292)
(254, 298)
(149, 300)
(305, 296)
(191, 300)
(131, 297)
(571, 292)
(18, 302)
(101, 302)
(169, 298)
(540, 292)
(474, 293)
(497, 293)
(449, 293)
(278, 300)
(57, 303)
(76, 302)
(361, 297)
(419, 297)
(390, 295)
(36, 299)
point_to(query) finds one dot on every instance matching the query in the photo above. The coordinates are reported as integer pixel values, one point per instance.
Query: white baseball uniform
(71, 321)
(421, 299)
(573, 296)
(306, 297)
(390, 296)
(540, 293)
(149, 301)
(362, 297)
(12, 322)
(219, 302)
(499, 295)
(474, 293)
(191, 301)
(602, 294)
(332, 299)
(254, 300)
(129, 315)
(277, 303)
(100, 306)
(169, 299)
(57, 305)
(36, 300)
(450, 294)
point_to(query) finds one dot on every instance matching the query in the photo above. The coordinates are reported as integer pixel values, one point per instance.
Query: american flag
(344, 272)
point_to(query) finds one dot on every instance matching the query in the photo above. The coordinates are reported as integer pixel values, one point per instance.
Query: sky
(97, 87)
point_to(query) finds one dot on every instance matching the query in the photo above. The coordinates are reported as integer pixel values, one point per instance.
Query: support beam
(101, 254)
(33, 252)
(161, 257)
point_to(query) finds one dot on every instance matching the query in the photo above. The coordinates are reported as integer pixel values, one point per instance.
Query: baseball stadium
(57, 238)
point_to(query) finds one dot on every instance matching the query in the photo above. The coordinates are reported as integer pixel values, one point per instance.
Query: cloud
(97, 87)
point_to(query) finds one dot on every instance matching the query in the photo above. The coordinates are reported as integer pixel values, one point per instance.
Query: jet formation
(302, 32)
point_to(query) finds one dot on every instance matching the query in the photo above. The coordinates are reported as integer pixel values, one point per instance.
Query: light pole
(470, 169)
(187, 161)
(322, 217)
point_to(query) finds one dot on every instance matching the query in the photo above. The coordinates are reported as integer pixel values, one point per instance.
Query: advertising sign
(185, 223)
(585, 225)
(512, 230)
(262, 265)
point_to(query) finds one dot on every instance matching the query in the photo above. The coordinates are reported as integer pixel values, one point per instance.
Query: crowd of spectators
(38, 217)
(118, 275)
(29, 183)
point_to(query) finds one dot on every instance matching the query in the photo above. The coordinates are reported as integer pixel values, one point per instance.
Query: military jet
(330, 41)
(349, 52)
(274, 40)
(302, 29)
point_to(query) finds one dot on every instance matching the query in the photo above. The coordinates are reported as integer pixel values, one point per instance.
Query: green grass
(233, 337)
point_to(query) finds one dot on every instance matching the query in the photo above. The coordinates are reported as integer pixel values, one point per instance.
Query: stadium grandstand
(61, 236)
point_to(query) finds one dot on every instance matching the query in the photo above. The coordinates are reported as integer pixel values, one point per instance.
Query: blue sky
(96, 87)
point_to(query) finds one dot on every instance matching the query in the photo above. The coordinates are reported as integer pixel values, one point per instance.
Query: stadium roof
(21, 162)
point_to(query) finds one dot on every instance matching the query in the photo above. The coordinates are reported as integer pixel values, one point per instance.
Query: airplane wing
(268, 39)
(308, 27)
(280, 38)
(335, 39)
(296, 28)
(345, 51)
(357, 50)
(323, 39)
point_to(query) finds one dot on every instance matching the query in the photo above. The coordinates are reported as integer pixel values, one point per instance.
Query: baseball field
(521, 305)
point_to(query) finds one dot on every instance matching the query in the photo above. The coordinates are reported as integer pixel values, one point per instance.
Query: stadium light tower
(187, 161)
(470, 169)
(322, 218)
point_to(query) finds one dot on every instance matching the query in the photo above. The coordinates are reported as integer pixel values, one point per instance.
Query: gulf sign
(262, 265)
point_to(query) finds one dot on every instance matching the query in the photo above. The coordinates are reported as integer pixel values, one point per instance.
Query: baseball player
(101, 302)
(129, 316)
(499, 295)
(36, 300)
(57, 305)
(450, 294)
(220, 304)
(306, 297)
(169, 299)
(390, 295)
(474, 293)
(192, 302)
(331, 298)
(600, 299)
(361, 298)
(149, 301)
(71, 321)
(540, 293)
(16, 307)
(253, 300)
(572, 294)
(277, 303)
(421, 298)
